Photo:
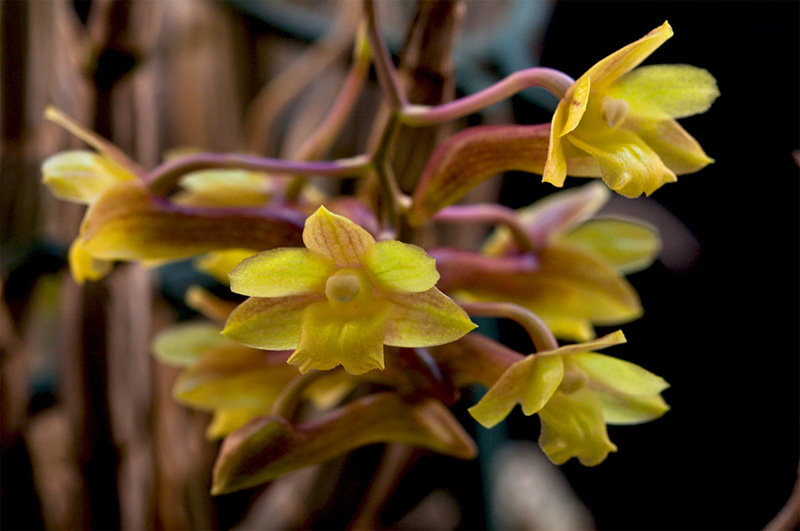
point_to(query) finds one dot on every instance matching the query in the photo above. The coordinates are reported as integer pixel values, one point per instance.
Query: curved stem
(286, 404)
(384, 68)
(541, 336)
(396, 201)
(164, 178)
(489, 213)
(553, 80)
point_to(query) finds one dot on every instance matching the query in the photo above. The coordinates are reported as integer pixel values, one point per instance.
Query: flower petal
(81, 176)
(674, 146)
(567, 117)
(629, 245)
(271, 324)
(270, 447)
(84, 266)
(628, 165)
(280, 273)
(398, 266)
(329, 338)
(227, 421)
(619, 375)
(619, 63)
(219, 264)
(425, 319)
(223, 187)
(661, 91)
(627, 409)
(530, 383)
(573, 426)
(336, 238)
(185, 343)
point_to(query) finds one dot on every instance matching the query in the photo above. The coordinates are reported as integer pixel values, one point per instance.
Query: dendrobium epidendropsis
(338, 301)
(625, 120)
(576, 392)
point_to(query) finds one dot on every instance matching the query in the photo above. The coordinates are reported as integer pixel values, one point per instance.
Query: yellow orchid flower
(575, 392)
(338, 301)
(625, 120)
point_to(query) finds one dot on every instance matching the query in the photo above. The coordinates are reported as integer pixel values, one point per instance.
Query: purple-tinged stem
(541, 336)
(553, 80)
(384, 68)
(489, 213)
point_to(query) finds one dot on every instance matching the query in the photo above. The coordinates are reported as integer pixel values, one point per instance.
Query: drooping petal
(127, 223)
(84, 266)
(336, 238)
(219, 264)
(628, 165)
(619, 63)
(530, 383)
(271, 324)
(185, 343)
(657, 92)
(628, 409)
(232, 376)
(674, 146)
(622, 376)
(573, 426)
(567, 117)
(398, 266)
(425, 319)
(629, 245)
(329, 338)
(81, 176)
(281, 272)
(270, 447)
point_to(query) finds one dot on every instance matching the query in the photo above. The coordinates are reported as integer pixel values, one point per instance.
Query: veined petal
(271, 447)
(623, 376)
(219, 264)
(629, 245)
(573, 426)
(329, 338)
(425, 319)
(674, 146)
(619, 63)
(185, 343)
(81, 176)
(271, 324)
(660, 91)
(232, 376)
(336, 238)
(398, 266)
(281, 272)
(628, 409)
(529, 382)
(84, 266)
(629, 166)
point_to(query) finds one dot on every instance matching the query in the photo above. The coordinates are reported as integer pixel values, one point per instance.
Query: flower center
(343, 286)
(614, 111)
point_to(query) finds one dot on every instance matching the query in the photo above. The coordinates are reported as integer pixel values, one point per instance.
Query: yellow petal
(628, 165)
(336, 238)
(619, 375)
(629, 246)
(398, 266)
(608, 340)
(425, 319)
(676, 148)
(81, 176)
(619, 63)
(660, 91)
(530, 383)
(628, 409)
(567, 117)
(84, 266)
(329, 338)
(184, 343)
(573, 426)
(271, 324)
(280, 273)
(219, 264)
(227, 421)
(222, 187)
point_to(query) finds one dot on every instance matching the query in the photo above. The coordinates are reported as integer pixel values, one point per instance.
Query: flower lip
(614, 111)
(343, 286)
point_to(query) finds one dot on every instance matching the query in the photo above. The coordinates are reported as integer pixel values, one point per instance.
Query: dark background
(722, 329)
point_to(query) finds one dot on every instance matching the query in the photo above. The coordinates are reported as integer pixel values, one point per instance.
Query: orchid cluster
(348, 331)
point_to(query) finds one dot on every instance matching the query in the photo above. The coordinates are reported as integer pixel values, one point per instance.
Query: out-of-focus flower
(574, 280)
(576, 392)
(341, 299)
(625, 120)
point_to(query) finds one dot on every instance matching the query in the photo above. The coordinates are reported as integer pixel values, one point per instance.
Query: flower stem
(384, 68)
(489, 213)
(286, 404)
(541, 336)
(553, 80)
